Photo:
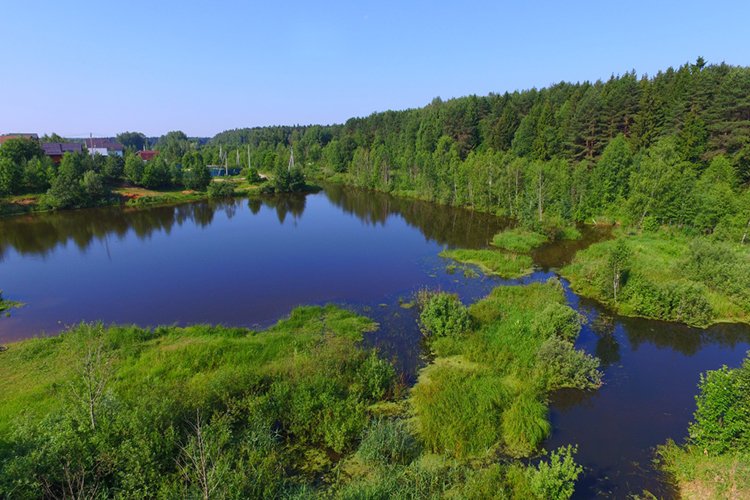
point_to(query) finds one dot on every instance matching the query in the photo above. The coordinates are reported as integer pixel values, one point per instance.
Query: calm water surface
(248, 262)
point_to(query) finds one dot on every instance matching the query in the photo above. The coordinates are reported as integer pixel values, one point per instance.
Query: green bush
(565, 367)
(671, 301)
(722, 417)
(221, 189)
(443, 315)
(555, 480)
(721, 269)
(557, 320)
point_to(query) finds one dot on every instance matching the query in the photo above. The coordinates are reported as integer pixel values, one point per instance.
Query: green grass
(503, 264)
(666, 280)
(518, 240)
(699, 475)
(485, 393)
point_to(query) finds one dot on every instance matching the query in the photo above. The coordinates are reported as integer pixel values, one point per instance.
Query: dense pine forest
(673, 148)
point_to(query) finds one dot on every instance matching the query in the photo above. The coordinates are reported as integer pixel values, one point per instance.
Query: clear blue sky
(75, 67)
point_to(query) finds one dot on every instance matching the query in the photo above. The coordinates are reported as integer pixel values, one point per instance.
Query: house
(147, 154)
(56, 150)
(104, 147)
(6, 137)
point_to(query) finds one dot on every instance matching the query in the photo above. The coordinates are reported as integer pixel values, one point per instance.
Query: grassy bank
(715, 461)
(666, 275)
(124, 411)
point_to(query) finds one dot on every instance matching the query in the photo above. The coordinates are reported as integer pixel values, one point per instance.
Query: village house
(6, 137)
(56, 150)
(104, 147)
(147, 154)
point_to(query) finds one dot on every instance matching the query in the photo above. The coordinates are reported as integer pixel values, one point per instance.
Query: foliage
(715, 461)
(722, 417)
(442, 315)
(134, 168)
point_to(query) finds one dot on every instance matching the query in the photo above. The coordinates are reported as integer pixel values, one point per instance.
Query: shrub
(564, 366)
(222, 189)
(557, 320)
(555, 480)
(671, 301)
(388, 441)
(443, 315)
(376, 376)
(722, 417)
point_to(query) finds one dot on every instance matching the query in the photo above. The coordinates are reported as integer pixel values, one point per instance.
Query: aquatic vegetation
(503, 264)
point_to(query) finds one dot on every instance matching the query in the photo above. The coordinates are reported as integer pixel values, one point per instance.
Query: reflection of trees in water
(682, 338)
(607, 347)
(611, 331)
(40, 233)
(443, 224)
(285, 204)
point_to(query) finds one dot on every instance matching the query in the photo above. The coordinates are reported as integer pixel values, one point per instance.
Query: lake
(249, 262)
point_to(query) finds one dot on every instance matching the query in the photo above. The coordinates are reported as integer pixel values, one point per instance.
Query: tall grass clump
(486, 391)
(519, 240)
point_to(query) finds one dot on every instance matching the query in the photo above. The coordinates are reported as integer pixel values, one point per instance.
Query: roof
(59, 148)
(6, 137)
(103, 143)
(147, 154)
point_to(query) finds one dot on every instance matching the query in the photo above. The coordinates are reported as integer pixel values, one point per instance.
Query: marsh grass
(519, 240)
(496, 262)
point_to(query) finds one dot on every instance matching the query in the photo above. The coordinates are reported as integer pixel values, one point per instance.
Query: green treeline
(299, 410)
(669, 149)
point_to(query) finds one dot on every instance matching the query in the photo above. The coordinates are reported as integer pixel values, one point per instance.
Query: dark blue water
(249, 262)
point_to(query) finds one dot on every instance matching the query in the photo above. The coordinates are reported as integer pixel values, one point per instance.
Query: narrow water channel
(248, 262)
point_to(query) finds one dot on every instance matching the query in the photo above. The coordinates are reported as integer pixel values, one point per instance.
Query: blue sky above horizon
(80, 67)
